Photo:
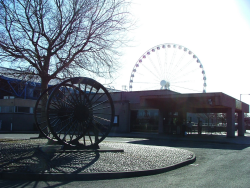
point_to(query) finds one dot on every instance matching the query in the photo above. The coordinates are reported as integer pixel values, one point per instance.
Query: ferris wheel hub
(164, 84)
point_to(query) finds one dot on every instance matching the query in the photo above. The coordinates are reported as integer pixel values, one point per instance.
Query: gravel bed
(24, 156)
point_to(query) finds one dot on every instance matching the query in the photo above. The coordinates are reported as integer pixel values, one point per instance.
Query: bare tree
(61, 38)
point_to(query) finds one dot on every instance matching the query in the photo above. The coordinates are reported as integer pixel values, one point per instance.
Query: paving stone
(24, 156)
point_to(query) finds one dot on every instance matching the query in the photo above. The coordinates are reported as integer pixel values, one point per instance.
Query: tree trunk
(44, 86)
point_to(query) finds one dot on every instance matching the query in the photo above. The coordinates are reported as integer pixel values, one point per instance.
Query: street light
(243, 94)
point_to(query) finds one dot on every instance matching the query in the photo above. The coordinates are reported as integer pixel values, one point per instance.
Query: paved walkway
(23, 159)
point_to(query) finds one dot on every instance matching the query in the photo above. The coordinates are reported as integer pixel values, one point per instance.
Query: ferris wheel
(168, 66)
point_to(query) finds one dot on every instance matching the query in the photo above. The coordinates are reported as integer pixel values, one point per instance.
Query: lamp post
(243, 94)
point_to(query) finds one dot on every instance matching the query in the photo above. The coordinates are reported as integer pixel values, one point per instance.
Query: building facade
(157, 111)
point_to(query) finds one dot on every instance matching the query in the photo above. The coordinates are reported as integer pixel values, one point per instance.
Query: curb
(91, 176)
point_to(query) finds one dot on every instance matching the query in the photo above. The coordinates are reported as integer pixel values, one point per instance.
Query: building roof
(195, 103)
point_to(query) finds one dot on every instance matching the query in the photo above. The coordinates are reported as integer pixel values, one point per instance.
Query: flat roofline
(217, 99)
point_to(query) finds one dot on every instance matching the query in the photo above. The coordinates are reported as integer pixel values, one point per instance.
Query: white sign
(238, 104)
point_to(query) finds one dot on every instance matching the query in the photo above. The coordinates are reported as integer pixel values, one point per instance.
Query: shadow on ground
(197, 141)
(34, 184)
(28, 158)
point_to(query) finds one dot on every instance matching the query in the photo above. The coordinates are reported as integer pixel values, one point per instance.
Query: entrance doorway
(144, 120)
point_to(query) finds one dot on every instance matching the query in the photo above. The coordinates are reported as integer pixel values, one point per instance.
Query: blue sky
(217, 31)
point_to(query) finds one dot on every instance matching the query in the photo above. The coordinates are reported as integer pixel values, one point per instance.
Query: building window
(31, 110)
(7, 109)
(23, 109)
(116, 121)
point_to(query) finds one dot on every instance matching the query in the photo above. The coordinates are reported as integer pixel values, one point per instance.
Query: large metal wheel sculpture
(80, 112)
(40, 116)
(168, 66)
